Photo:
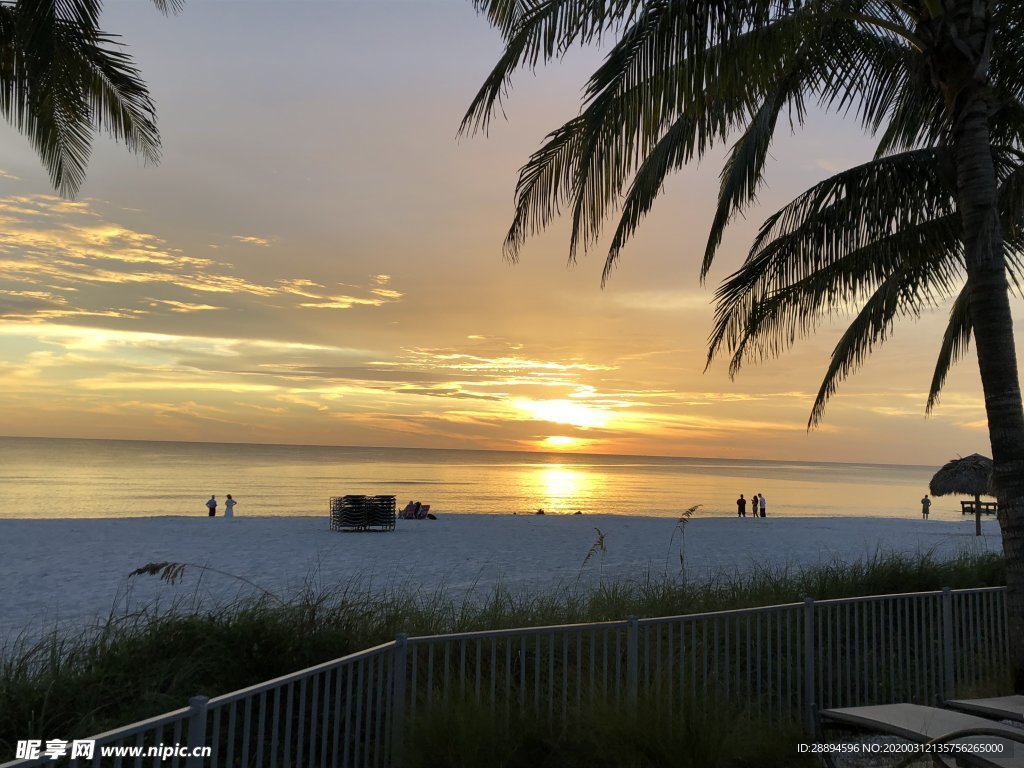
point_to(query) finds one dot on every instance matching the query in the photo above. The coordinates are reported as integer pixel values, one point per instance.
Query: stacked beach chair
(362, 513)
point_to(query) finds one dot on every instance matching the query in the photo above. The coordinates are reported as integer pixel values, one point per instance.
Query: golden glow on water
(561, 489)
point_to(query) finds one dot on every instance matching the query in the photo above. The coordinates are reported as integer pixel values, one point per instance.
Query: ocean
(50, 477)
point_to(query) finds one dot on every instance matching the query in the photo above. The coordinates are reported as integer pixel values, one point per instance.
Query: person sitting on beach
(212, 506)
(409, 512)
(229, 507)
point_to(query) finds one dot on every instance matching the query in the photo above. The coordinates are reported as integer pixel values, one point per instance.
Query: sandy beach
(70, 572)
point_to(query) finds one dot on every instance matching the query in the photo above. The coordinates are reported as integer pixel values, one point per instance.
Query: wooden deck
(987, 507)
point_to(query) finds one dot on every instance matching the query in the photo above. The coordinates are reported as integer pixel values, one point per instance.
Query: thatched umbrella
(971, 474)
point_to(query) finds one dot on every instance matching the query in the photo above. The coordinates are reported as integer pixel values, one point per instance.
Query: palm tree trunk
(993, 333)
(977, 514)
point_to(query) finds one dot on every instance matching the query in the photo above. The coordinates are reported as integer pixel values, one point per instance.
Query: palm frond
(169, 7)
(88, 85)
(120, 103)
(869, 329)
(537, 32)
(956, 340)
(838, 222)
(502, 14)
(626, 113)
(545, 182)
(621, 127)
(742, 173)
(766, 319)
(688, 136)
(1011, 202)
(858, 69)
(850, 66)
(62, 79)
(921, 280)
(1007, 123)
(1007, 67)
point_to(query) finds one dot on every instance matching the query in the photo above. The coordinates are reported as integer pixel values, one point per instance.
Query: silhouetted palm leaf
(62, 79)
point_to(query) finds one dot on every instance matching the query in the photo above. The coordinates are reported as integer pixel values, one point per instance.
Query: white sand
(71, 571)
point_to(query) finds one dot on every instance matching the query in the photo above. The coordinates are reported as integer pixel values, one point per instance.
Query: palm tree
(62, 79)
(936, 214)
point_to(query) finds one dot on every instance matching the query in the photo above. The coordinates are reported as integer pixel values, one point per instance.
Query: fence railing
(785, 661)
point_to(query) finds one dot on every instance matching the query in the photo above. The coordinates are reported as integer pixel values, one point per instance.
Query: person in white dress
(229, 507)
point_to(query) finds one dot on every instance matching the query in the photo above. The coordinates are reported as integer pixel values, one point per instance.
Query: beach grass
(138, 665)
(707, 734)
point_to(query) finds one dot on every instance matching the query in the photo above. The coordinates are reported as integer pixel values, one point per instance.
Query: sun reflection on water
(560, 489)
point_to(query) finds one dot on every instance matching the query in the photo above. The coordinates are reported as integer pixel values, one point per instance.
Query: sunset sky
(317, 260)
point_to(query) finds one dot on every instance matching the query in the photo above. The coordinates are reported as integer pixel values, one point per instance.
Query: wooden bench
(987, 507)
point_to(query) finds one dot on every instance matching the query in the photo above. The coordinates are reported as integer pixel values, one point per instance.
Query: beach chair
(380, 513)
(362, 513)
(421, 513)
(997, 745)
(348, 513)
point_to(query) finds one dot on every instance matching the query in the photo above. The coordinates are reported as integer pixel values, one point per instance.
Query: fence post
(810, 712)
(196, 730)
(632, 659)
(398, 667)
(948, 674)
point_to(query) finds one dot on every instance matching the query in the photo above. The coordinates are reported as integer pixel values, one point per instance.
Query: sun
(561, 441)
(565, 412)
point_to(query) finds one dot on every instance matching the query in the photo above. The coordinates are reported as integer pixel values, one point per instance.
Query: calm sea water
(108, 478)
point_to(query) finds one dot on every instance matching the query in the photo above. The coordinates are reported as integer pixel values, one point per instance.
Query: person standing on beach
(229, 507)
(741, 506)
(753, 504)
(926, 505)
(760, 501)
(212, 506)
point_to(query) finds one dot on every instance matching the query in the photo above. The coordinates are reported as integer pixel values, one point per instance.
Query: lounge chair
(999, 708)
(362, 513)
(421, 513)
(931, 725)
(348, 513)
(380, 513)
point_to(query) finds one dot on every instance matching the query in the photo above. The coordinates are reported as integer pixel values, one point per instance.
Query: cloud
(343, 302)
(510, 364)
(662, 301)
(55, 247)
(12, 301)
(181, 306)
(830, 166)
(76, 337)
(262, 242)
